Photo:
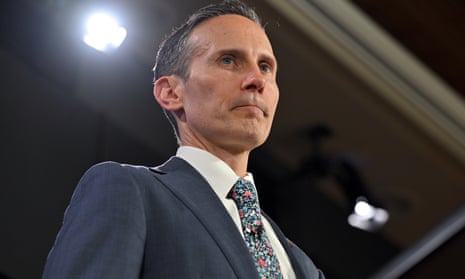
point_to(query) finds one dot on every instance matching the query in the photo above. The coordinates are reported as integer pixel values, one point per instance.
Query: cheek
(205, 101)
(274, 98)
(198, 91)
(277, 97)
(216, 94)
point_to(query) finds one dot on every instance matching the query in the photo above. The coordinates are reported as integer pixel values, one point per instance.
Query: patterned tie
(245, 196)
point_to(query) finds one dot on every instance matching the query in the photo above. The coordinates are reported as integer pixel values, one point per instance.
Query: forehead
(230, 31)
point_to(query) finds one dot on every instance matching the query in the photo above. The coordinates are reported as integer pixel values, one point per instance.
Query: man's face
(231, 94)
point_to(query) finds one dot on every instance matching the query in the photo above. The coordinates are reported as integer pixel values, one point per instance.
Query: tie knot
(243, 191)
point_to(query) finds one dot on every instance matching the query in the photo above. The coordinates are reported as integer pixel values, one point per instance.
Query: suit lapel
(299, 272)
(190, 187)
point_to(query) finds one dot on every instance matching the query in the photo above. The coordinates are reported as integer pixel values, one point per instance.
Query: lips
(245, 102)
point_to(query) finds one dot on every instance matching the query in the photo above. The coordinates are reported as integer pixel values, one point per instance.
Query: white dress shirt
(221, 178)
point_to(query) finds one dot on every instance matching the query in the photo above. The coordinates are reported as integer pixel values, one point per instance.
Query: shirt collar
(217, 173)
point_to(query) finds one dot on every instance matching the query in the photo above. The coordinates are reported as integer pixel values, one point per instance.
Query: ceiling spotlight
(103, 32)
(366, 216)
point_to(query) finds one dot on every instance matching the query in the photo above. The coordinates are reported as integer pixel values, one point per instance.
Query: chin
(256, 141)
(251, 136)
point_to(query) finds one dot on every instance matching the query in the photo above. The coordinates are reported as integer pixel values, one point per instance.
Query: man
(191, 217)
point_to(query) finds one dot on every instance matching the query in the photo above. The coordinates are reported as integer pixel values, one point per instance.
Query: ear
(168, 91)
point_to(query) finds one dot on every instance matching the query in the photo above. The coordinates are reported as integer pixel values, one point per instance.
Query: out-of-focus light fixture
(366, 213)
(103, 32)
(366, 216)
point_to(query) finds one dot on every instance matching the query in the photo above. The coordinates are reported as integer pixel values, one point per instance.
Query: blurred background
(371, 110)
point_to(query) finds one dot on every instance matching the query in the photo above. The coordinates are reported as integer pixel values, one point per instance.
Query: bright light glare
(103, 32)
(364, 209)
(367, 217)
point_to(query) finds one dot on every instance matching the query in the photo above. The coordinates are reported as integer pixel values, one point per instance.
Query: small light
(364, 209)
(367, 217)
(103, 32)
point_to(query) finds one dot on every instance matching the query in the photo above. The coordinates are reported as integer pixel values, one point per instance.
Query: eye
(227, 60)
(265, 67)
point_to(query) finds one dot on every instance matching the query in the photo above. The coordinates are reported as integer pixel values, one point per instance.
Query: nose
(254, 80)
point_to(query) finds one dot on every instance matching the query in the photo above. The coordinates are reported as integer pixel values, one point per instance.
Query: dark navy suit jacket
(166, 222)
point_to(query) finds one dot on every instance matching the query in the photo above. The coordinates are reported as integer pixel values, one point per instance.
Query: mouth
(255, 105)
(251, 108)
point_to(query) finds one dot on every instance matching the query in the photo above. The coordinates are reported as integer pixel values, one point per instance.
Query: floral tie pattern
(245, 196)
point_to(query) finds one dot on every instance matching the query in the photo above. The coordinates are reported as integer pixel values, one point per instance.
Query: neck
(237, 161)
(234, 154)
